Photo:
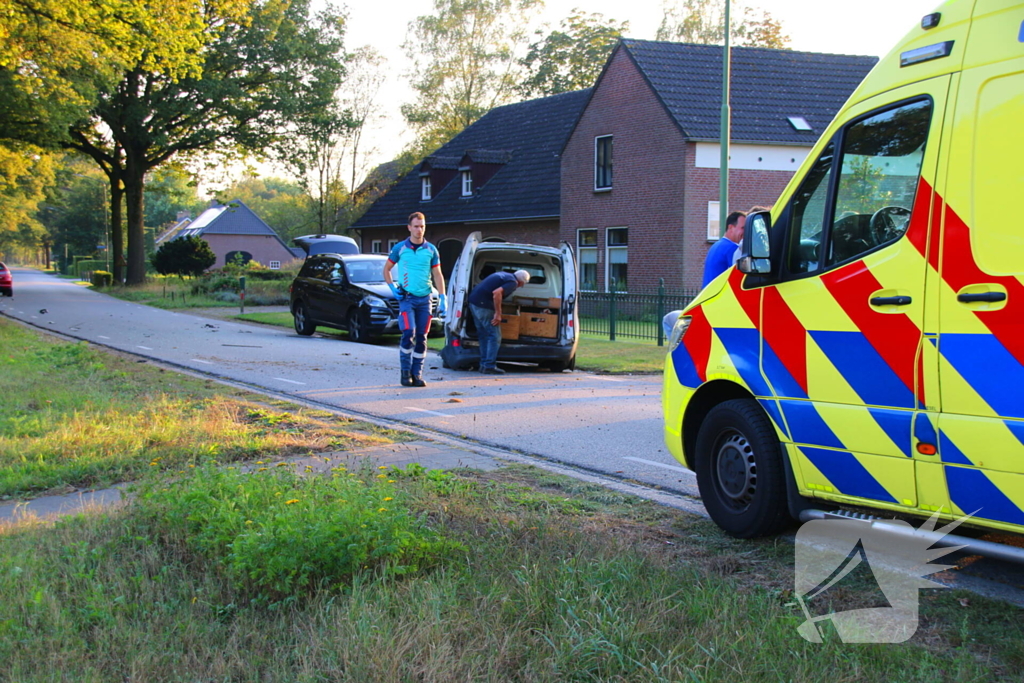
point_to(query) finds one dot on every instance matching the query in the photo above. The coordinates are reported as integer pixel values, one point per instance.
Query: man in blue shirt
(418, 261)
(722, 254)
(485, 304)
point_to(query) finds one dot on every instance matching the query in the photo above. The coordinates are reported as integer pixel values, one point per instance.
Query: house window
(391, 245)
(714, 230)
(425, 188)
(617, 240)
(603, 163)
(467, 183)
(275, 265)
(375, 247)
(586, 248)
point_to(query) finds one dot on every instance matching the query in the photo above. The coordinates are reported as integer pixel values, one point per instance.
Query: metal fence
(630, 315)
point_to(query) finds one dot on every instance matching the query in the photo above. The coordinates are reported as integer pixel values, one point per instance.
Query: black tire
(555, 365)
(356, 324)
(7, 291)
(740, 473)
(303, 325)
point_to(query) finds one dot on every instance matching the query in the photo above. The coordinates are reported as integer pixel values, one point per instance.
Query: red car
(6, 281)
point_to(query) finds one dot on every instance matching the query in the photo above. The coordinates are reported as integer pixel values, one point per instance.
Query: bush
(279, 535)
(101, 278)
(183, 256)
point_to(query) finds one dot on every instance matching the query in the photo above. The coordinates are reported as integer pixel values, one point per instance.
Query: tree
(316, 157)
(359, 96)
(183, 256)
(464, 64)
(280, 203)
(279, 66)
(703, 22)
(25, 173)
(570, 58)
(169, 191)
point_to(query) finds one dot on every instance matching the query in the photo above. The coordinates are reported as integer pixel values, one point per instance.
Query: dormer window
(467, 183)
(425, 191)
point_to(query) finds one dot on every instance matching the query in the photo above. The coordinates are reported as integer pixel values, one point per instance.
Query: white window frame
(714, 230)
(608, 257)
(597, 143)
(579, 254)
(467, 183)
(375, 247)
(425, 189)
(391, 244)
(274, 265)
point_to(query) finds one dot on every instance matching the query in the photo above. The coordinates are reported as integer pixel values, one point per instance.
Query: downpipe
(971, 546)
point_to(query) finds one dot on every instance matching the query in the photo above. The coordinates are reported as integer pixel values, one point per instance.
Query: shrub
(101, 278)
(279, 535)
(183, 256)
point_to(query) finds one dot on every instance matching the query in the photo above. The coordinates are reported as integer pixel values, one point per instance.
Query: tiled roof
(766, 87)
(527, 137)
(233, 218)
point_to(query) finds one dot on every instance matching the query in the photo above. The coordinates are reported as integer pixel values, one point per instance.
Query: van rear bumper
(462, 357)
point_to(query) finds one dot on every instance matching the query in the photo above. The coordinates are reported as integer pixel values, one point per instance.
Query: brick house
(655, 109)
(499, 176)
(233, 229)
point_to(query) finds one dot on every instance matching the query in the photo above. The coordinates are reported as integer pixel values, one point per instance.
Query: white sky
(864, 27)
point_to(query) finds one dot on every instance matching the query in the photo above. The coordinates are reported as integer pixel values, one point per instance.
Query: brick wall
(657, 191)
(263, 248)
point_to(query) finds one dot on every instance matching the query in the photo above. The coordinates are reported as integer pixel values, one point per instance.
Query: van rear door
(570, 285)
(459, 288)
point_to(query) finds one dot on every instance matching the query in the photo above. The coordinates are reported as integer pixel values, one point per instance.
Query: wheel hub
(736, 470)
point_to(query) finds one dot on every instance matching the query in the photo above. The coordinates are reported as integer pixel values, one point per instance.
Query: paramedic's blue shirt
(483, 294)
(720, 259)
(414, 262)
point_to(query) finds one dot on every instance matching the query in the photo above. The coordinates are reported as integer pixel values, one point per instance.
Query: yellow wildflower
(382, 509)
(261, 469)
(293, 500)
(388, 498)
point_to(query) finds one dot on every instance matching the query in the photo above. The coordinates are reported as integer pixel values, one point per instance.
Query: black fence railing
(630, 315)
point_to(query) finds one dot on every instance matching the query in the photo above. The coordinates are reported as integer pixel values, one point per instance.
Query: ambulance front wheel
(740, 473)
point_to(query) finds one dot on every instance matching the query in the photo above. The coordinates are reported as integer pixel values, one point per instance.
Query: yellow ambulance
(868, 349)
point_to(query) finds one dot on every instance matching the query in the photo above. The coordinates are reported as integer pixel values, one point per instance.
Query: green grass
(173, 293)
(75, 417)
(377, 574)
(593, 354)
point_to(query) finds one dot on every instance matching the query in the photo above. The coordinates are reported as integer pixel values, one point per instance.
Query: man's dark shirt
(483, 294)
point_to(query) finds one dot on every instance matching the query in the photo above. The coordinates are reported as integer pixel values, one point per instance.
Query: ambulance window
(881, 164)
(808, 216)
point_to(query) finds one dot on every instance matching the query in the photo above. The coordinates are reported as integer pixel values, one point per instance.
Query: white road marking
(608, 379)
(102, 337)
(204, 362)
(421, 410)
(658, 464)
(139, 346)
(290, 381)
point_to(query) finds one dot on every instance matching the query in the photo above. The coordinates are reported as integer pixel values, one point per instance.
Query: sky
(863, 27)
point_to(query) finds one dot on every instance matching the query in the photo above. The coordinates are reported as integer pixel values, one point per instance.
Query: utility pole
(723, 133)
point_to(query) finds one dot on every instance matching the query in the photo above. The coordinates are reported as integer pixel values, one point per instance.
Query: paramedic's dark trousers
(414, 321)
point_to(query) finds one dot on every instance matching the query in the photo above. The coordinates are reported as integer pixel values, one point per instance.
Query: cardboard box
(554, 302)
(510, 320)
(539, 325)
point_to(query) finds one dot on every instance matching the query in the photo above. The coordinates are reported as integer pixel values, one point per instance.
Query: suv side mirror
(755, 252)
(337, 282)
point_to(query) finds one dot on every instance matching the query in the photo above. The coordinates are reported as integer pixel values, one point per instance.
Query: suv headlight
(678, 331)
(374, 302)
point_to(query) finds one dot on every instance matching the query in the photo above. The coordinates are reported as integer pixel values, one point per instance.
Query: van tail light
(458, 314)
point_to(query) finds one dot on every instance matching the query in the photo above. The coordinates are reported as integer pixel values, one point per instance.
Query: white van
(539, 320)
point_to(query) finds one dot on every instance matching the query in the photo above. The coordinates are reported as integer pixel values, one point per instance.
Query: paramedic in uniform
(485, 305)
(418, 261)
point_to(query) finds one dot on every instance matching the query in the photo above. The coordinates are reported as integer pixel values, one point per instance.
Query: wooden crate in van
(538, 325)
(510, 320)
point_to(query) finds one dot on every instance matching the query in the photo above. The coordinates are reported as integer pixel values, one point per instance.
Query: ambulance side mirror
(755, 253)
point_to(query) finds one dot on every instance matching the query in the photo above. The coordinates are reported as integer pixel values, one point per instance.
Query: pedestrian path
(431, 455)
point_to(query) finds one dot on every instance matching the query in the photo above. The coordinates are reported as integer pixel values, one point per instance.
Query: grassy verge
(593, 354)
(175, 293)
(376, 574)
(74, 417)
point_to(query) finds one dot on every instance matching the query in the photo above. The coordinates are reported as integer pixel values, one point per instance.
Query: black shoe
(418, 382)
(492, 371)
(406, 379)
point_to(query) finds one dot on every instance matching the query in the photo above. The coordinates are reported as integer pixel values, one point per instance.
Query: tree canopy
(703, 21)
(572, 56)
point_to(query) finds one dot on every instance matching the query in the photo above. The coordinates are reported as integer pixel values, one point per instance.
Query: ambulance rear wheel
(739, 468)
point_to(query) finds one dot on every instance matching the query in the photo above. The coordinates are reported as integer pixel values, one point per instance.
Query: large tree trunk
(134, 184)
(116, 229)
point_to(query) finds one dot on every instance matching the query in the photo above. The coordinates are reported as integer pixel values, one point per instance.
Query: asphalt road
(610, 425)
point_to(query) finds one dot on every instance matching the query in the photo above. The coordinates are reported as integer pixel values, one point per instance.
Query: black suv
(346, 292)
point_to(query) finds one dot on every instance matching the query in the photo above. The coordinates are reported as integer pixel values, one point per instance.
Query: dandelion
(281, 464)
(191, 465)
(293, 500)
(261, 469)
(381, 476)
(259, 462)
(382, 509)
(248, 521)
(382, 467)
(388, 498)
(391, 481)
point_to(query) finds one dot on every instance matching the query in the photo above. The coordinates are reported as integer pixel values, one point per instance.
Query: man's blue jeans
(414, 321)
(488, 334)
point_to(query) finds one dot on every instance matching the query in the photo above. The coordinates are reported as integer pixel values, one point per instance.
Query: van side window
(881, 164)
(807, 227)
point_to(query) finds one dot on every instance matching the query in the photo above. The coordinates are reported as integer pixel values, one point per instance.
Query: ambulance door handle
(973, 297)
(891, 301)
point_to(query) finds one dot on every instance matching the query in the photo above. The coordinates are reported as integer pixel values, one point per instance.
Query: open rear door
(570, 287)
(458, 287)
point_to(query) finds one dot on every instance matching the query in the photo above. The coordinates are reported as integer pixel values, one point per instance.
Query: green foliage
(184, 256)
(25, 172)
(169, 190)
(279, 535)
(280, 203)
(703, 22)
(570, 58)
(101, 278)
(464, 58)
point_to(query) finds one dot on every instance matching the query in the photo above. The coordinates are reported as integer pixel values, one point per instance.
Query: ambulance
(868, 349)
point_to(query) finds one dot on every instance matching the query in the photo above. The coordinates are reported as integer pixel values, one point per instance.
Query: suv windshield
(365, 271)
